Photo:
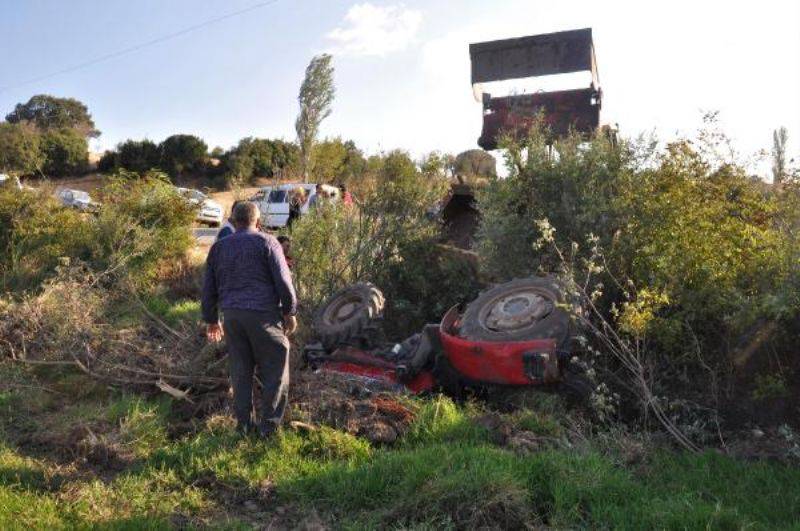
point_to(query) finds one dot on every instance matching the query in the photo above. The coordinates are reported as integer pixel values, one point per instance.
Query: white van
(273, 201)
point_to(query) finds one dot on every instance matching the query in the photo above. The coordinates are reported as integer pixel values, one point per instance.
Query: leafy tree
(259, 157)
(20, 149)
(437, 165)
(779, 139)
(138, 155)
(65, 152)
(181, 154)
(316, 95)
(108, 161)
(475, 163)
(338, 161)
(49, 112)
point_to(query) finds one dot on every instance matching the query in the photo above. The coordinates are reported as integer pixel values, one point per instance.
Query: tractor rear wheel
(347, 314)
(520, 310)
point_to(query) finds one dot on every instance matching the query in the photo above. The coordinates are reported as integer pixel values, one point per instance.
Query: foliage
(437, 165)
(687, 254)
(51, 113)
(143, 222)
(335, 161)
(182, 154)
(315, 98)
(20, 150)
(259, 157)
(138, 155)
(336, 245)
(65, 152)
(475, 163)
(779, 170)
(35, 233)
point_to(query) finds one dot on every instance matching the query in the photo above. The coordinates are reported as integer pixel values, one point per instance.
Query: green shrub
(143, 222)
(36, 232)
(65, 152)
(20, 149)
(336, 245)
(182, 154)
(689, 255)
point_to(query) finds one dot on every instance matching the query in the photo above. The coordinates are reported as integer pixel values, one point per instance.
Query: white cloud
(372, 30)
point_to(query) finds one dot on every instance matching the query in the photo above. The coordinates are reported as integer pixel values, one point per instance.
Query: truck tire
(347, 313)
(520, 310)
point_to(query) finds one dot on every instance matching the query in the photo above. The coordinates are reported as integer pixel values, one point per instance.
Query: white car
(76, 199)
(273, 201)
(209, 212)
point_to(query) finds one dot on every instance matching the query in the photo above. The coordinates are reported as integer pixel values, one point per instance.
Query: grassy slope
(445, 473)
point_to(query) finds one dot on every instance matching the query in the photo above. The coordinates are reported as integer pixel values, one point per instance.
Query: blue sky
(402, 69)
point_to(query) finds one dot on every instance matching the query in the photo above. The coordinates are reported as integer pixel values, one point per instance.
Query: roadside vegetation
(683, 276)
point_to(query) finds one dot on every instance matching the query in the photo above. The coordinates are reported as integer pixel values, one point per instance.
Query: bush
(181, 154)
(35, 234)
(258, 157)
(336, 245)
(65, 152)
(689, 257)
(138, 155)
(20, 149)
(143, 222)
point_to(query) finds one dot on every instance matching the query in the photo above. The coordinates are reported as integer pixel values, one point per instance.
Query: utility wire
(138, 47)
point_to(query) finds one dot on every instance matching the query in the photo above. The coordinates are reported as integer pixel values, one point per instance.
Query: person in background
(248, 279)
(227, 227)
(347, 197)
(286, 244)
(296, 202)
(318, 197)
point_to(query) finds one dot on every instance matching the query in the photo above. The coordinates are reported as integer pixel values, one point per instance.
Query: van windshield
(277, 196)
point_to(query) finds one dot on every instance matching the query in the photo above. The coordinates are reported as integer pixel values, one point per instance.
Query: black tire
(347, 314)
(529, 307)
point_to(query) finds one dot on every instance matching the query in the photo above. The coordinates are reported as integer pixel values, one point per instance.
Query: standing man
(318, 197)
(248, 279)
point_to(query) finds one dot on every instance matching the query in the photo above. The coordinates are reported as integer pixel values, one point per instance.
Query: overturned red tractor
(512, 334)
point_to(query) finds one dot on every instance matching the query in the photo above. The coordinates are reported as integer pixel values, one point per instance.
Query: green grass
(445, 473)
(174, 313)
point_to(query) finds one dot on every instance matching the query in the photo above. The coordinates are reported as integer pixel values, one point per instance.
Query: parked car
(273, 201)
(76, 199)
(209, 212)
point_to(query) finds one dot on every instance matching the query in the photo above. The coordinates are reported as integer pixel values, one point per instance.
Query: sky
(402, 68)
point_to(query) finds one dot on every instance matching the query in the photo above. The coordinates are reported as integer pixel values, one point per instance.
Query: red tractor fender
(532, 362)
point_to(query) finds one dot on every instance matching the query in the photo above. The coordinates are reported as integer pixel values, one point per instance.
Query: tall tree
(49, 113)
(779, 139)
(316, 96)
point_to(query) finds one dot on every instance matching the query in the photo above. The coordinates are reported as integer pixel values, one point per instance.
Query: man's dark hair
(318, 186)
(245, 214)
(343, 187)
(233, 207)
(284, 239)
